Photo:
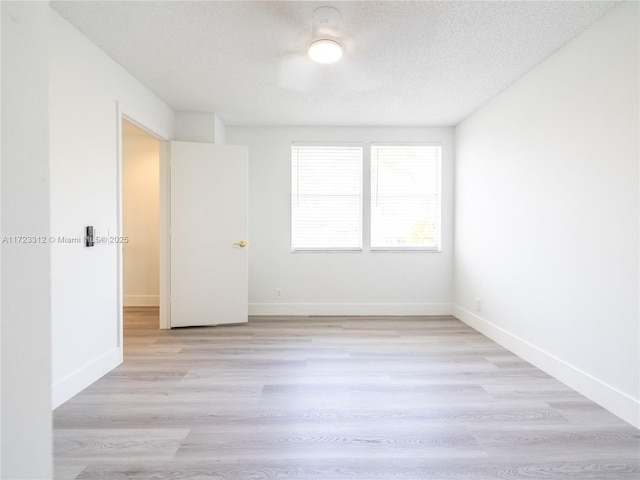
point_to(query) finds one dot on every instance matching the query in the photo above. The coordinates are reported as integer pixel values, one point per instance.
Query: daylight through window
(326, 197)
(405, 197)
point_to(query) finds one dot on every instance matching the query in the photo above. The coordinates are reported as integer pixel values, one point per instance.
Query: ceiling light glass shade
(325, 51)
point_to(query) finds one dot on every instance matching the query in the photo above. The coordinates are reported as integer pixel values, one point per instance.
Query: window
(326, 197)
(405, 197)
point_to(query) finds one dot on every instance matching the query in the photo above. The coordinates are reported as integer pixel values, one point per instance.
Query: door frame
(123, 113)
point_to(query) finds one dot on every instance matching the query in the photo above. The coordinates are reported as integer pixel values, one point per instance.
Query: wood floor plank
(333, 398)
(373, 469)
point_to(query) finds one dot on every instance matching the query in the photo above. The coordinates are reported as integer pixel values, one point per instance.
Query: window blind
(326, 197)
(405, 197)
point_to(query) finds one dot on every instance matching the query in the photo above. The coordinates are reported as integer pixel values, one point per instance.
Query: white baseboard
(73, 384)
(141, 300)
(615, 401)
(355, 309)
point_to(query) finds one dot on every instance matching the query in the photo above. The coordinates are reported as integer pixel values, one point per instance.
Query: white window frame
(359, 248)
(438, 196)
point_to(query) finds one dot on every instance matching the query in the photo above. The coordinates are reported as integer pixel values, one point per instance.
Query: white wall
(26, 330)
(85, 89)
(140, 219)
(336, 283)
(220, 129)
(547, 215)
(199, 127)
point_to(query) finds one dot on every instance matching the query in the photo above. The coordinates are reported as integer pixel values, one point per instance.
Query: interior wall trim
(74, 383)
(617, 402)
(349, 309)
(141, 300)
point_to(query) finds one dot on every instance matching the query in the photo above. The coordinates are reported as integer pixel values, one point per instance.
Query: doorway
(140, 222)
(220, 182)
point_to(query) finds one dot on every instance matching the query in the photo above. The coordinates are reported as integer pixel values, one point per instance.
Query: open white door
(209, 264)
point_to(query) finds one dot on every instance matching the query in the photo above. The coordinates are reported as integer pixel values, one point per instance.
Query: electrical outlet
(477, 304)
(278, 293)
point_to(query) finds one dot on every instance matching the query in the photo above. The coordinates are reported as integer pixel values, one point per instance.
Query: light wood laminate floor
(331, 398)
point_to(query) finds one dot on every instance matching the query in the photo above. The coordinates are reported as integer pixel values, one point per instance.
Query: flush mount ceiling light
(325, 46)
(325, 51)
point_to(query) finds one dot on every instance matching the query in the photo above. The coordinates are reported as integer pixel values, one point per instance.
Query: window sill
(405, 250)
(327, 250)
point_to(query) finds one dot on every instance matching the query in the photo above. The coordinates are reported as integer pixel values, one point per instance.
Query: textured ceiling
(405, 63)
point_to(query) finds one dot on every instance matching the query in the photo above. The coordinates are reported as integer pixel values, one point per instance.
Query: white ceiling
(406, 63)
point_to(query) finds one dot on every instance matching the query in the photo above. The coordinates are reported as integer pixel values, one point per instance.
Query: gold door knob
(241, 244)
